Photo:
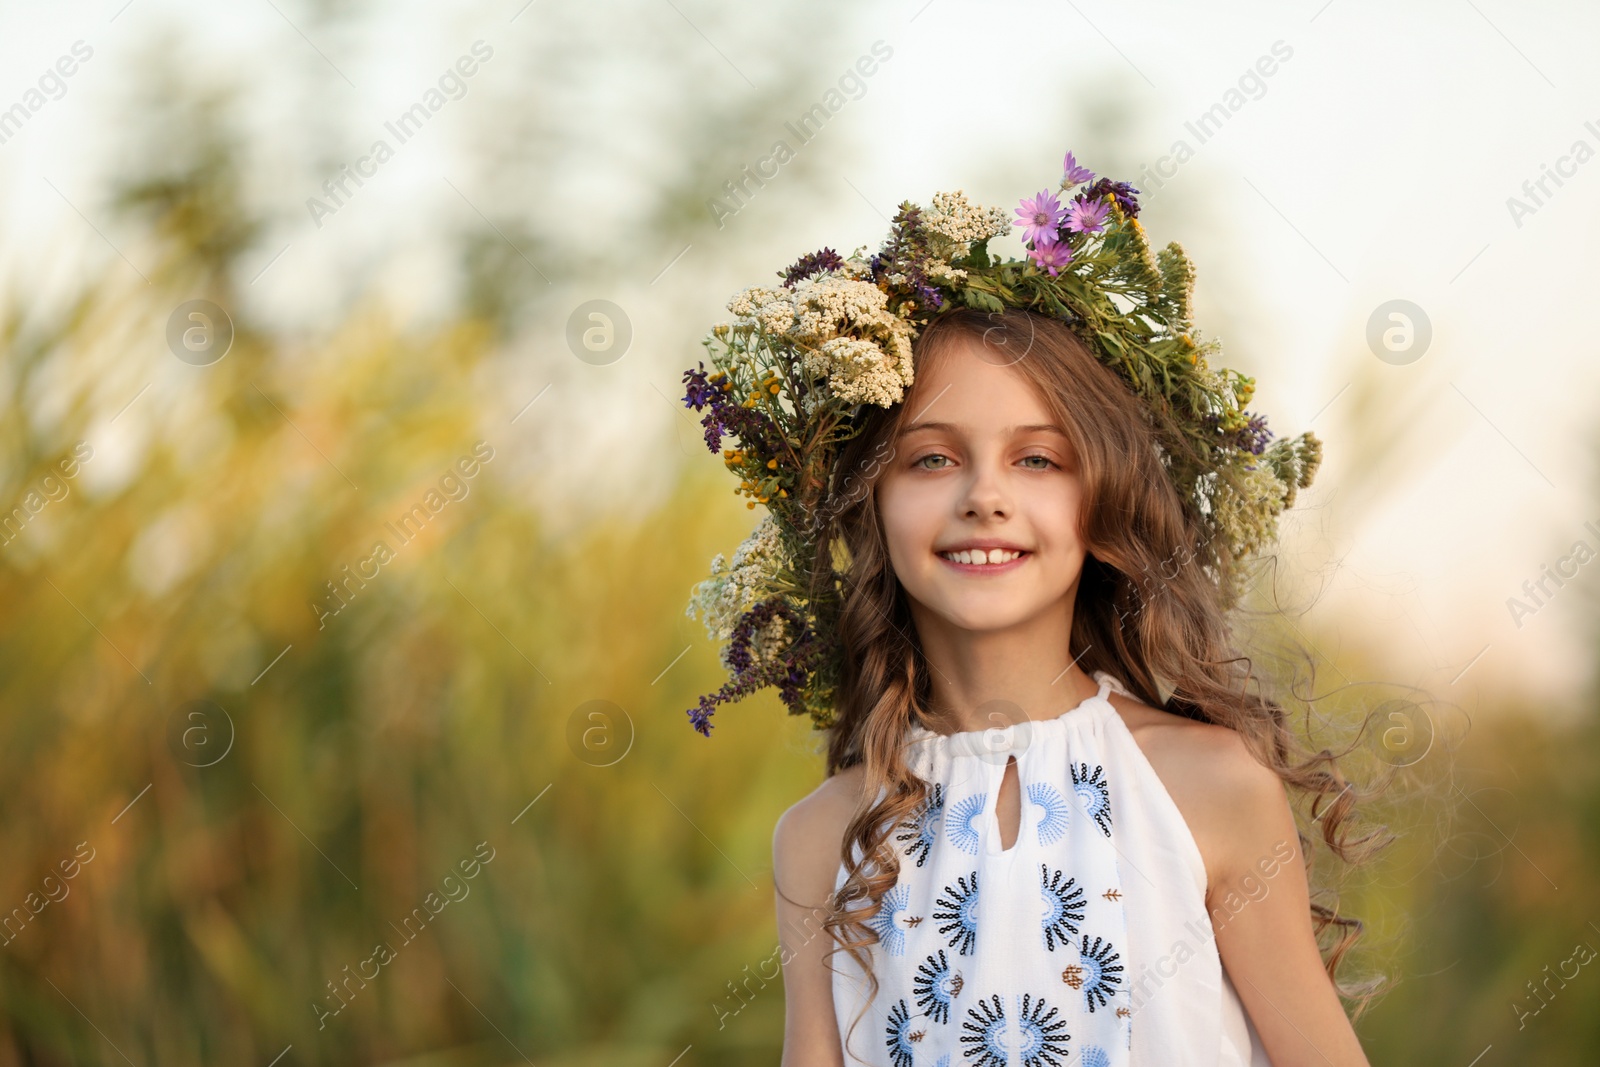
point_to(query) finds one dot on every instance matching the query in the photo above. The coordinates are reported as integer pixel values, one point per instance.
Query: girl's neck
(984, 681)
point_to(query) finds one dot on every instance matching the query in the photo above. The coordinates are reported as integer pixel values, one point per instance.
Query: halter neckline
(1015, 735)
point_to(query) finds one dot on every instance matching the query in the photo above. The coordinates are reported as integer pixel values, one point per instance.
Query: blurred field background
(257, 797)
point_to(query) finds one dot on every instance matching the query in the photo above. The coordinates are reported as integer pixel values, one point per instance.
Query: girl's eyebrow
(1036, 427)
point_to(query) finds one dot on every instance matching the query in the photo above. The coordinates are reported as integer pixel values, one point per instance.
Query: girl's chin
(979, 618)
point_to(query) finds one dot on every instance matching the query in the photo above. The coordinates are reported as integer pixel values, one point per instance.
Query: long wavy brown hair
(1150, 610)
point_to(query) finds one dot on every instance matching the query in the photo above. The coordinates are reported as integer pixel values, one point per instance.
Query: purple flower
(1040, 218)
(1254, 436)
(727, 415)
(1123, 192)
(809, 264)
(1075, 175)
(701, 392)
(906, 253)
(1086, 216)
(1052, 255)
(788, 671)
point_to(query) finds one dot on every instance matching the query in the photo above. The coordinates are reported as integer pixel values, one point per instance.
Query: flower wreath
(799, 360)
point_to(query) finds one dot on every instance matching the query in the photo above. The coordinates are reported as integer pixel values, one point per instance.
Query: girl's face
(981, 465)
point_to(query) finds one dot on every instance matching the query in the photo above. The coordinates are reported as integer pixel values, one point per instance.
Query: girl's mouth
(979, 561)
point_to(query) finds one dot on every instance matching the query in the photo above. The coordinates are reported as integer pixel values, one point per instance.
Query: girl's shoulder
(1185, 746)
(808, 839)
(1209, 772)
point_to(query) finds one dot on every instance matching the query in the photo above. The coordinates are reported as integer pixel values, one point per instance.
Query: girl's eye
(922, 462)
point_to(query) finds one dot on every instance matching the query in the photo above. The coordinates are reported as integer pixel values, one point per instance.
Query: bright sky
(1373, 163)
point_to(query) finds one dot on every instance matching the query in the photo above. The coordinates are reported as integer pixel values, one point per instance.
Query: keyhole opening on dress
(1008, 806)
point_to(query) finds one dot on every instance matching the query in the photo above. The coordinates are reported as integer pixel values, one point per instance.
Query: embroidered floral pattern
(958, 914)
(936, 984)
(1095, 1056)
(1063, 907)
(1042, 1035)
(890, 933)
(901, 1036)
(1053, 811)
(963, 834)
(1102, 974)
(983, 1034)
(1094, 794)
(923, 832)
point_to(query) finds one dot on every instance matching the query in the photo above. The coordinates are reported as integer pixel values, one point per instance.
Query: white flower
(861, 372)
(962, 223)
(770, 308)
(826, 303)
(745, 302)
(945, 274)
(736, 587)
(842, 324)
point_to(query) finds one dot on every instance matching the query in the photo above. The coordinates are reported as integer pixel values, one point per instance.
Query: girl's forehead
(972, 389)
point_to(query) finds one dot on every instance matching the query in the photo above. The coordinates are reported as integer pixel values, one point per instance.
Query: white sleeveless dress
(1085, 944)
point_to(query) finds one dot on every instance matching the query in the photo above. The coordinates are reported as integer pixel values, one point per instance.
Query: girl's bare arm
(1260, 905)
(805, 862)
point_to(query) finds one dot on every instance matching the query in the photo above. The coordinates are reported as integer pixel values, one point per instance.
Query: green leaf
(977, 257)
(982, 301)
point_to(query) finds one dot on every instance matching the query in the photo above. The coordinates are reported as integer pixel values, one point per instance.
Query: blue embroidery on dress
(1053, 819)
(1041, 1035)
(1093, 794)
(960, 912)
(1095, 1056)
(936, 985)
(959, 825)
(899, 1036)
(925, 830)
(1101, 972)
(983, 1034)
(890, 934)
(1063, 907)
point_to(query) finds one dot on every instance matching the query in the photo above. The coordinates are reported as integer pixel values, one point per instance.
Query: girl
(998, 570)
(1026, 853)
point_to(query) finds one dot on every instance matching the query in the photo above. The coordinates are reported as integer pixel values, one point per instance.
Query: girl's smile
(984, 557)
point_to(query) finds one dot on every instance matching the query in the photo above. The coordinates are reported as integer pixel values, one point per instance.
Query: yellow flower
(772, 464)
(774, 387)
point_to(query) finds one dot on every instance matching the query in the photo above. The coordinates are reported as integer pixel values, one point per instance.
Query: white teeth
(994, 555)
